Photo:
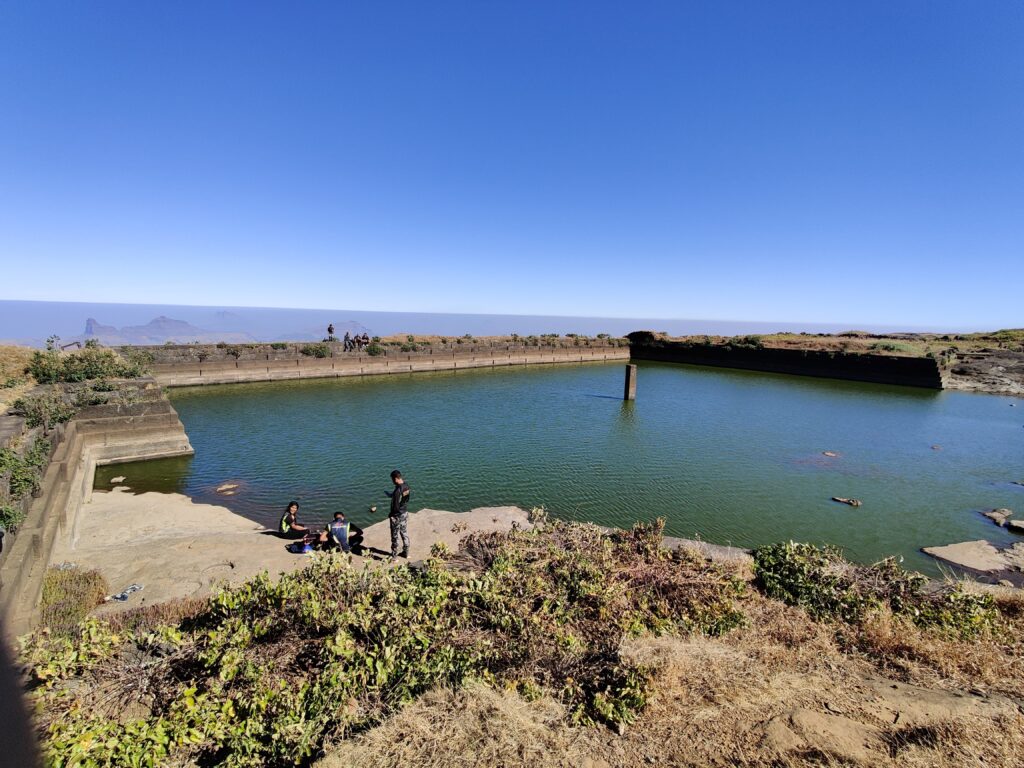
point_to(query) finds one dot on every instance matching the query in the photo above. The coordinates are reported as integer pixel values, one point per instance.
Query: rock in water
(118, 479)
(843, 500)
(1017, 526)
(998, 516)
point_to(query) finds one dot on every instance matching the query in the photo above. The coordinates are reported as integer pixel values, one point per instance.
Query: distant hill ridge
(163, 329)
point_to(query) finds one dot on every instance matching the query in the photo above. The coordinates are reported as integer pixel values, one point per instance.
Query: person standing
(399, 515)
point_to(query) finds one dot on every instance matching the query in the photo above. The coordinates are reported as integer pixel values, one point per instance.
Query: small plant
(93, 343)
(46, 409)
(440, 550)
(23, 474)
(319, 349)
(279, 345)
(374, 349)
(410, 338)
(233, 350)
(11, 517)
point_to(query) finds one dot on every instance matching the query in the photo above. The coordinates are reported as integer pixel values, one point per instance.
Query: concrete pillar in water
(630, 391)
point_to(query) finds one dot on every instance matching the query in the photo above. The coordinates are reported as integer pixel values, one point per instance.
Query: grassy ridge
(274, 673)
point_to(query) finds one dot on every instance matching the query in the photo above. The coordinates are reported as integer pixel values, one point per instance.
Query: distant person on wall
(364, 340)
(348, 342)
(330, 332)
(290, 527)
(399, 515)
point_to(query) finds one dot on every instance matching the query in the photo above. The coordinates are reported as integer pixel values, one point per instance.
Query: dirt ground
(779, 692)
(175, 548)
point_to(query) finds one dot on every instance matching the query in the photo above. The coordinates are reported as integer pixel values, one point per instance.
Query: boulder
(984, 558)
(998, 516)
(1017, 526)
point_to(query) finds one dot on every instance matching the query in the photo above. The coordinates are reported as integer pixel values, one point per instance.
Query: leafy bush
(11, 517)
(24, 472)
(822, 582)
(752, 340)
(45, 409)
(233, 350)
(319, 349)
(279, 345)
(269, 672)
(50, 366)
(374, 349)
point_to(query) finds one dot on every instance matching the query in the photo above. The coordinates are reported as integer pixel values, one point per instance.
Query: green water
(728, 456)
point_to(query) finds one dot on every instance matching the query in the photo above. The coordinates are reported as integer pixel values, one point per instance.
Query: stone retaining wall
(879, 369)
(272, 368)
(106, 434)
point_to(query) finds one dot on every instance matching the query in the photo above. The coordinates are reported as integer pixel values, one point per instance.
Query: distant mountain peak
(159, 330)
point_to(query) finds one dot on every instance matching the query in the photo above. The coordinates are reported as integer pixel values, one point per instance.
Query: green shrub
(374, 349)
(50, 366)
(45, 409)
(11, 517)
(279, 345)
(270, 671)
(24, 472)
(827, 586)
(319, 349)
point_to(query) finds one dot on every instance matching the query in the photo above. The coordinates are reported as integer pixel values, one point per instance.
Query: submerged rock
(844, 500)
(998, 516)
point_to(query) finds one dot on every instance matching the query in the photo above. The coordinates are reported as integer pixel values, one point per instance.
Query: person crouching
(343, 535)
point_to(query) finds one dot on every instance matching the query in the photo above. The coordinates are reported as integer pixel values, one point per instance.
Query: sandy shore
(176, 548)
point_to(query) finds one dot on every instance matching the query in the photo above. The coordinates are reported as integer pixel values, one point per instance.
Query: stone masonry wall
(182, 366)
(105, 434)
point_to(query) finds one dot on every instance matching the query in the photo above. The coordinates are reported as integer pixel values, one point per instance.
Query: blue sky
(808, 161)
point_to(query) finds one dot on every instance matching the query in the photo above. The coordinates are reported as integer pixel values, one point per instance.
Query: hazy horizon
(30, 322)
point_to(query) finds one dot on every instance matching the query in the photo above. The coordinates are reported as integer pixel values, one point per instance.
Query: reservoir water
(732, 457)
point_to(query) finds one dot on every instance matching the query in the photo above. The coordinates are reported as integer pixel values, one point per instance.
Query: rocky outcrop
(983, 558)
(998, 516)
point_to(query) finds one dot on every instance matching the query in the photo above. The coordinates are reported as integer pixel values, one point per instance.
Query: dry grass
(69, 594)
(783, 691)
(907, 345)
(475, 726)
(147, 618)
(12, 368)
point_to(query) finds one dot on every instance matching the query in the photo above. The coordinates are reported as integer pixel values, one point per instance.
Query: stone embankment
(189, 365)
(144, 426)
(852, 366)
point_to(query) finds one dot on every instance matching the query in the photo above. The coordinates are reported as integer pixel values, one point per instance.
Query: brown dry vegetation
(904, 344)
(784, 690)
(13, 361)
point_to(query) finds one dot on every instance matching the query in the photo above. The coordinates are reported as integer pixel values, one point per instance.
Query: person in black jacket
(399, 515)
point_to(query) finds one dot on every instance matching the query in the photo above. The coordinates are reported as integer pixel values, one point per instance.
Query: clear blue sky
(819, 161)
